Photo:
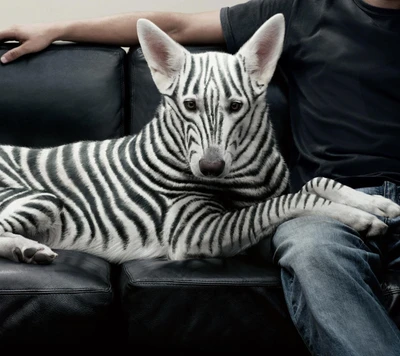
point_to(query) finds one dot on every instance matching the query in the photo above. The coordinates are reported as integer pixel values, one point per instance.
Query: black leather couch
(80, 92)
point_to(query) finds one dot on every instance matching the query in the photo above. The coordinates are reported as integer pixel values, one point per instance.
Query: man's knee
(312, 239)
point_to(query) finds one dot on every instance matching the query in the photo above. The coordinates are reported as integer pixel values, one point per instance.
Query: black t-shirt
(342, 62)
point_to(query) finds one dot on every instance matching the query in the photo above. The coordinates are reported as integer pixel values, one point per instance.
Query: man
(342, 62)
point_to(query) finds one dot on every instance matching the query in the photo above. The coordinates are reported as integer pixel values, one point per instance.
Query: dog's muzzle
(212, 164)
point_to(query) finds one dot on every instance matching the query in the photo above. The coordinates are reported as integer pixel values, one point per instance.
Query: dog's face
(217, 96)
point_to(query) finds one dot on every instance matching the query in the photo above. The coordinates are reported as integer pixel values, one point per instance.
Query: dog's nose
(211, 168)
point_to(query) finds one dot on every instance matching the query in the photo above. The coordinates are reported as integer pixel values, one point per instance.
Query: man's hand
(32, 38)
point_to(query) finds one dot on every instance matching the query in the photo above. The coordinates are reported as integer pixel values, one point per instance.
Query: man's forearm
(197, 28)
(121, 29)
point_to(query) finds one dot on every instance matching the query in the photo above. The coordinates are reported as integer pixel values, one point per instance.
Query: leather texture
(209, 305)
(68, 301)
(67, 93)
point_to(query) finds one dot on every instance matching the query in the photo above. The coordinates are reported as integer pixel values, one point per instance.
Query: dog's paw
(370, 226)
(38, 254)
(29, 251)
(384, 206)
(366, 224)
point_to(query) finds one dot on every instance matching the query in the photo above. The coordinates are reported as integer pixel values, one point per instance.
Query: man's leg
(331, 289)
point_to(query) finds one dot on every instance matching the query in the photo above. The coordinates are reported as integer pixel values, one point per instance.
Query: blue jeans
(331, 280)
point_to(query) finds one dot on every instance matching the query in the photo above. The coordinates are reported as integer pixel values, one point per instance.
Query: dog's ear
(164, 56)
(262, 51)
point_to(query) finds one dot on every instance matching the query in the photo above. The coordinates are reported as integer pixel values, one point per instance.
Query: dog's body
(203, 179)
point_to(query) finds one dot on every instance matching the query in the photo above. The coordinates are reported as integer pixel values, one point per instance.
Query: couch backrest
(143, 97)
(64, 94)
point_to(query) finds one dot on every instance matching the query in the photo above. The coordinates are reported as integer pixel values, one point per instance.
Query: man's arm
(197, 28)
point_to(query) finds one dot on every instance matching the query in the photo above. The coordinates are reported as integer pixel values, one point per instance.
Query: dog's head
(217, 97)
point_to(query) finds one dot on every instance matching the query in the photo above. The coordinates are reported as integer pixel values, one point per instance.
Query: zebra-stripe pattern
(149, 195)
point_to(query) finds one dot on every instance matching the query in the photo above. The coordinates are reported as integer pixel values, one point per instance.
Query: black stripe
(270, 203)
(203, 231)
(232, 222)
(291, 197)
(335, 184)
(277, 206)
(238, 69)
(326, 184)
(175, 131)
(251, 218)
(9, 192)
(261, 218)
(285, 197)
(32, 219)
(128, 145)
(179, 224)
(49, 198)
(13, 226)
(262, 134)
(226, 87)
(184, 217)
(189, 77)
(306, 200)
(213, 233)
(102, 192)
(316, 198)
(63, 225)
(33, 164)
(232, 84)
(8, 171)
(16, 196)
(72, 176)
(98, 192)
(298, 198)
(43, 209)
(23, 223)
(194, 226)
(198, 77)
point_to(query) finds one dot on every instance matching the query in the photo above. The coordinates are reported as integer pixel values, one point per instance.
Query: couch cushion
(207, 305)
(68, 301)
(63, 94)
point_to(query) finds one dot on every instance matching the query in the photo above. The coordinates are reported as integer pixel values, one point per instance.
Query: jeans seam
(366, 264)
(293, 302)
(295, 308)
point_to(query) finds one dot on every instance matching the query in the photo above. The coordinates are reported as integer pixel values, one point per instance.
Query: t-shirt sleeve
(239, 22)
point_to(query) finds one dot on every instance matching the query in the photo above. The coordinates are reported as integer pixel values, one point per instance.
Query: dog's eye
(190, 105)
(235, 106)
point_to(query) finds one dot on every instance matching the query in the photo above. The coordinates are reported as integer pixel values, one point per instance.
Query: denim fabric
(331, 281)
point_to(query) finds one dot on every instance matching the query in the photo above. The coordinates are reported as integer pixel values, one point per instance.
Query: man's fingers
(14, 53)
(8, 35)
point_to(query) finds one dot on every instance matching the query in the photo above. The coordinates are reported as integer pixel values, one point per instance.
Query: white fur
(264, 48)
(164, 56)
